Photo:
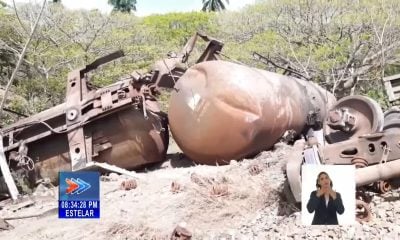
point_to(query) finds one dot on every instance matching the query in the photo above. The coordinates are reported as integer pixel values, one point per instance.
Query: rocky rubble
(281, 220)
(243, 200)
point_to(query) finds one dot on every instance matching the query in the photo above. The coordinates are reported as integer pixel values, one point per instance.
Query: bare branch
(21, 58)
(19, 19)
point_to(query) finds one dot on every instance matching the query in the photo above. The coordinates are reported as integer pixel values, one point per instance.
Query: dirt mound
(243, 200)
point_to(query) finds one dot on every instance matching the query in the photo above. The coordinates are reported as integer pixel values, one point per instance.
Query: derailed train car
(120, 124)
(115, 127)
(218, 111)
(223, 110)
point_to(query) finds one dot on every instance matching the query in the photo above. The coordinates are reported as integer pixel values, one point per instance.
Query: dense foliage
(214, 5)
(123, 5)
(346, 46)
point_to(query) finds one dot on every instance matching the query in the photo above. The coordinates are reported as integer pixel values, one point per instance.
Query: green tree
(123, 5)
(342, 45)
(213, 5)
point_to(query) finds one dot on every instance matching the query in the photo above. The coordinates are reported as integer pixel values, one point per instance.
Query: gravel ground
(243, 200)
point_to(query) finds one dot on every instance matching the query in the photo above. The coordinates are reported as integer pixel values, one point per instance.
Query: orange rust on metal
(359, 162)
(101, 125)
(351, 117)
(181, 233)
(255, 170)
(128, 184)
(382, 186)
(363, 211)
(223, 111)
(120, 124)
(218, 190)
(176, 187)
(123, 139)
(361, 135)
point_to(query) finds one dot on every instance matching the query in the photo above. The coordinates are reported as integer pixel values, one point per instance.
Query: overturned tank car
(114, 128)
(223, 110)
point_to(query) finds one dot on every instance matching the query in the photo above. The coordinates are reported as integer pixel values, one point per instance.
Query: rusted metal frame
(189, 46)
(377, 172)
(363, 176)
(341, 119)
(31, 139)
(212, 47)
(10, 134)
(18, 128)
(102, 60)
(351, 117)
(115, 87)
(106, 100)
(113, 97)
(112, 102)
(35, 138)
(95, 97)
(370, 147)
(97, 113)
(76, 90)
(211, 52)
(166, 71)
(89, 97)
(100, 147)
(95, 101)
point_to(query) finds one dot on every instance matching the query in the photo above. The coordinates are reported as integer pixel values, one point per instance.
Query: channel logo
(76, 186)
(79, 194)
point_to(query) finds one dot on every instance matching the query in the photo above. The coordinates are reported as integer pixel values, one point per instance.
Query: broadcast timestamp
(79, 194)
(79, 209)
(79, 204)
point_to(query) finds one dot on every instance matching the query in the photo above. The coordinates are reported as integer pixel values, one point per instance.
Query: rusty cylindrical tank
(223, 111)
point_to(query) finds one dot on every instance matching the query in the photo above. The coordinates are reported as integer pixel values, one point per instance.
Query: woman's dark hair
(319, 175)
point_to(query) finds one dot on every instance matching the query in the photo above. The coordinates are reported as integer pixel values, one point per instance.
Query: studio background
(343, 179)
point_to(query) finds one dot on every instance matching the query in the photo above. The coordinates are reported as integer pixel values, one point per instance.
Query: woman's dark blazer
(325, 215)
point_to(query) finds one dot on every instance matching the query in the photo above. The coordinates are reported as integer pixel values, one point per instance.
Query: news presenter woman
(325, 202)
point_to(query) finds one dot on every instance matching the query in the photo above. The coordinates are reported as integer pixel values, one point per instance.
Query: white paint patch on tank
(193, 101)
(251, 118)
(281, 112)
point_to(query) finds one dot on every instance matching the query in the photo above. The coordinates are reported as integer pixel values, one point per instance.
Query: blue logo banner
(79, 194)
